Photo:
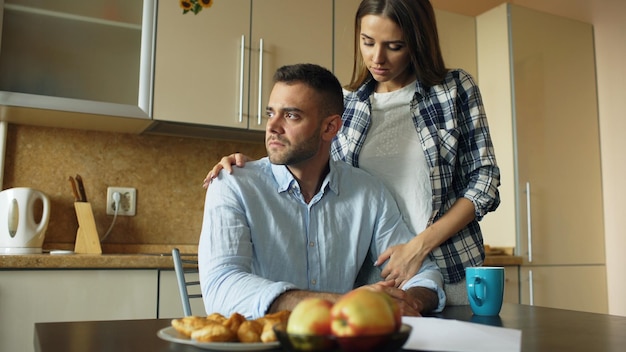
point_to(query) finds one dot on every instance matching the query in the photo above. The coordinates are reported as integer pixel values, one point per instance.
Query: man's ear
(331, 127)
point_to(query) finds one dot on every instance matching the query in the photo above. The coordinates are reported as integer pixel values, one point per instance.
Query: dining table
(543, 329)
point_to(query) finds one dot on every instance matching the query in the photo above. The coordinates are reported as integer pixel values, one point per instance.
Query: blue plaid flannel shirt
(452, 127)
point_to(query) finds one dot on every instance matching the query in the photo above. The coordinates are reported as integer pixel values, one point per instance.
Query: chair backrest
(183, 267)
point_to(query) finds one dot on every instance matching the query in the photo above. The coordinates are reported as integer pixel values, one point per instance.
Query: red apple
(362, 312)
(310, 317)
(397, 313)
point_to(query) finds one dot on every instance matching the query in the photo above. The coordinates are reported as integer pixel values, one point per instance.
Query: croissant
(217, 328)
(214, 332)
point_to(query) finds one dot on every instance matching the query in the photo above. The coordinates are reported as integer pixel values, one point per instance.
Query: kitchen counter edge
(141, 261)
(86, 261)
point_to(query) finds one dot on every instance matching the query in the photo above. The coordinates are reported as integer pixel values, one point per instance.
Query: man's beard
(291, 156)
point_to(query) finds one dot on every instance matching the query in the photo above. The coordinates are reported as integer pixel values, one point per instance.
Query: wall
(166, 171)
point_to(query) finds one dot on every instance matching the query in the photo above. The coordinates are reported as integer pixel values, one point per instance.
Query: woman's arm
(405, 260)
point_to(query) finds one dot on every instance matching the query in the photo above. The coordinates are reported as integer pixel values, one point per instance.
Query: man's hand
(225, 163)
(410, 303)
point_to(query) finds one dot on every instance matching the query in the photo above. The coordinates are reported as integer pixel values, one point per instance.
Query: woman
(422, 129)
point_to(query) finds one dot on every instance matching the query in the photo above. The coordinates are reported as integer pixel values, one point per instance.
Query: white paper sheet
(435, 334)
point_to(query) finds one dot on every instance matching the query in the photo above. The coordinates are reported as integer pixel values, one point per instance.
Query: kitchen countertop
(502, 260)
(115, 256)
(87, 261)
(147, 260)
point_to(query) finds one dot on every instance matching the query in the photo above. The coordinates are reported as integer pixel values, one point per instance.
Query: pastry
(250, 331)
(214, 332)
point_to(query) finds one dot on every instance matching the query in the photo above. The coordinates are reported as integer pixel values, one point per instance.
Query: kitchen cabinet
(72, 63)
(169, 297)
(537, 75)
(574, 287)
(216, 68)
(30, 296)
(344, 41)
(511, 284)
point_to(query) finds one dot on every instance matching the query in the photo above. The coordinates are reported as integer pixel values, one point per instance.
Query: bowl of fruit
(361, 320)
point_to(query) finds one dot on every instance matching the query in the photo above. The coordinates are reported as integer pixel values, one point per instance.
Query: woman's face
(385, 53)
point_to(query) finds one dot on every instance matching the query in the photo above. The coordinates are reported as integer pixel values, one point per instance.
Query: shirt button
(311, 244)
(313, 282)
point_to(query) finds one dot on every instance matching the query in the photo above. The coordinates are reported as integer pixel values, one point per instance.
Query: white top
(392, 152)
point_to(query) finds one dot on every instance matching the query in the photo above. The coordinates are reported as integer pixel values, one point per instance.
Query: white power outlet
(128, 201)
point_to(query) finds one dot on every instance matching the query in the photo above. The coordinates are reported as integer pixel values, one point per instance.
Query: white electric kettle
(19, 233)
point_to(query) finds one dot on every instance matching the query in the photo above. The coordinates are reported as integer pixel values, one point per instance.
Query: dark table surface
(543, 329)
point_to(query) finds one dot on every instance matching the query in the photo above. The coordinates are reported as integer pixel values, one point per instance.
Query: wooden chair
(184, 267)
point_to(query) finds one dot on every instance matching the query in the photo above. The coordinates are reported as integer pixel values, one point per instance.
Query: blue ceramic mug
(485, 288)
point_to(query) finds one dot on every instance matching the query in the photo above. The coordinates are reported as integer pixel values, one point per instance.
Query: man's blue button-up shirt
(260, 238)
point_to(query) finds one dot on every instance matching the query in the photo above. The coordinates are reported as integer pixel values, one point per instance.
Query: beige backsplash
(166, 171)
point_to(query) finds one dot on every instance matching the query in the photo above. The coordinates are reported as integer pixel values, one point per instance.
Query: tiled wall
(166, 171)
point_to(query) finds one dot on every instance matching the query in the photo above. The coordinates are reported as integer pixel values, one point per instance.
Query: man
(296, 224)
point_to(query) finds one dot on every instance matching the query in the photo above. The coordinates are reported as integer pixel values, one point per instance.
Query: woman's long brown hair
(416, 19)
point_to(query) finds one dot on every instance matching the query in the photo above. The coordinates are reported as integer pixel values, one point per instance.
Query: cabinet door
(93, 58)
(345, 11)
(200, 68)
(292, 31)
(30, 296)
(511, 284)
(558, 144)
(170, 305)
(577, 287)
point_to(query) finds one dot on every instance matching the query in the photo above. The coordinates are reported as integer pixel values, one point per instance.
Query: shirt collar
(367, 88)
(286, 181)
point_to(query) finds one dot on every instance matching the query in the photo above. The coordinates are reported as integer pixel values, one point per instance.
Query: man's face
(292, 133)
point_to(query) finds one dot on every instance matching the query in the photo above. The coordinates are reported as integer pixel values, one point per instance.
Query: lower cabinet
(32, 296)
(511, 284)
(574, 287)
(170, 305)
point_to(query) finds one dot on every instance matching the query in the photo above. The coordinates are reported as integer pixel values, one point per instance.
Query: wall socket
(128, 201)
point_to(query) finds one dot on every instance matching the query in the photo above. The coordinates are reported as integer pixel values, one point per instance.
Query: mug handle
(474, 287)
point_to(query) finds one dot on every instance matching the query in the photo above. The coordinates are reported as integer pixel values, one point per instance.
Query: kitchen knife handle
(529, 223)
(74, 189)
(241, 72)
(260, 102)
(81, 188)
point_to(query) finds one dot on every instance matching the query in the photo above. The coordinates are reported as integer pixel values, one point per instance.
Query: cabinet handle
(529, 224)
(530, 288)
(260, 82)
(243, 49)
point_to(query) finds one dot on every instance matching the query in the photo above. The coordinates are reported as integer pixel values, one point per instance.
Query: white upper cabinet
(201, 74)
(74, 56)
(215, 68)
(291, 32)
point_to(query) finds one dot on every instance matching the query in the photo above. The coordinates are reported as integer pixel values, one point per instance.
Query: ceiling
(466, 7)
(577, 9)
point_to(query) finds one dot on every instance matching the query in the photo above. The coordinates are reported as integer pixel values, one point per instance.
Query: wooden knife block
(87, 239)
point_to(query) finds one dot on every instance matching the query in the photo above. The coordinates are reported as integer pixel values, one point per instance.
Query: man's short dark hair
(320, 79)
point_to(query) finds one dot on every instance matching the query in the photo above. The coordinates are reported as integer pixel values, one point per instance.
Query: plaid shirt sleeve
(452, 126)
